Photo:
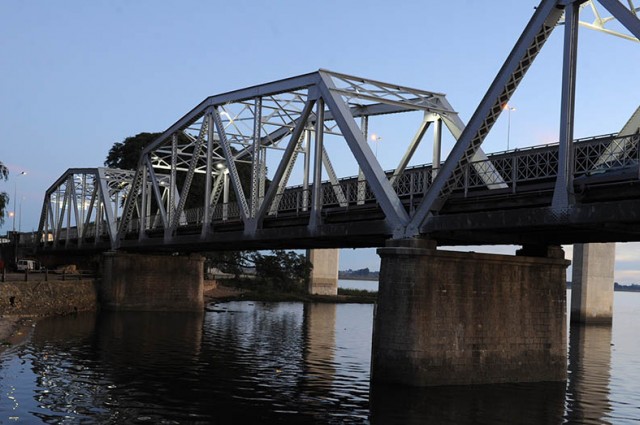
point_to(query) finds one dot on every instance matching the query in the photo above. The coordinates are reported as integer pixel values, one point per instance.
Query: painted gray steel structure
(605, 175)
(296, 116)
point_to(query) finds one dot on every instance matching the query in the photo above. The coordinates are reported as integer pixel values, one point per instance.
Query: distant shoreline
(624, 288)
(618, 287)
(351, 277)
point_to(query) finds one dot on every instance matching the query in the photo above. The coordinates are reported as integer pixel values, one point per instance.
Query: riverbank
(14, 330)
(23, 303)
(215, 292)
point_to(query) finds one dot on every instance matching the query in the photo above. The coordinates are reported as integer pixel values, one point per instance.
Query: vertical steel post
(255, 160)
(361, 185)
(149, 199)
(437, 146)
(207, 185)
(171, 210)
(514, 173)
(142, 224)
(83, 198)
(115, 205)
(563, 191)
(305, 174)
(316, 199)
(263, 176)
(99, 214)
(69, 189)
(225, 196)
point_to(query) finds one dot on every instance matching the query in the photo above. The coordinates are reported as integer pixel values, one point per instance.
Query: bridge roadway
(606, 208)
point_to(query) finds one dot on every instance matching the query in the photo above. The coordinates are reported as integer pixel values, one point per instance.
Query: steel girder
(246, 130)
(236, 136)
(84, 207)
(71, 220)
(533, 38)
(504, 85)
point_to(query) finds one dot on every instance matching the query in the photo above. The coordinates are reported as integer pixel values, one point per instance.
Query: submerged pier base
(461, 318)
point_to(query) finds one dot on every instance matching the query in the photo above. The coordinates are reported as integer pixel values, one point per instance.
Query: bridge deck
(606, 208)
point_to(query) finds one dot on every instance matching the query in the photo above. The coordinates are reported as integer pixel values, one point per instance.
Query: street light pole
(16, 237)
(15, 195)
(376, 139)
(15, 191)
(508, 108)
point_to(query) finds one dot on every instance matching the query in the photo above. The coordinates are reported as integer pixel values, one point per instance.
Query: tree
(126, 154)
(283, 270)
(4, 198)
(231, 262)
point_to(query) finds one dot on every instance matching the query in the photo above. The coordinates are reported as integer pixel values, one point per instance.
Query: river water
(287, 363)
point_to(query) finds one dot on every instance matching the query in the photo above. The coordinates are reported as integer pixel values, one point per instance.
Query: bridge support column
(454, 318)
(144, 282)
(324, 276)
(592, 283)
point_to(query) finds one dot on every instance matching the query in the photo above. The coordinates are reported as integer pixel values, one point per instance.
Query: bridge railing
(539, 164)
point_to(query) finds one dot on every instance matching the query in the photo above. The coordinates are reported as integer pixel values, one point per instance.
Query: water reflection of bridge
(136, 352)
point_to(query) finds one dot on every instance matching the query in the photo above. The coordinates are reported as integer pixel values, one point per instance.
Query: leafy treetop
(126, 154)
(4, 198)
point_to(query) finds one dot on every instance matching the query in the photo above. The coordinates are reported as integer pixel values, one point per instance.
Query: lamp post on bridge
(508, 108)
(375, 138)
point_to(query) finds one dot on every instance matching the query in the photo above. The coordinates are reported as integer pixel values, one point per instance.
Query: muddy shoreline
(14, 330)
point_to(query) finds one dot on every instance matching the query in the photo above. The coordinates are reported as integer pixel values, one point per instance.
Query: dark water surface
(288, 363)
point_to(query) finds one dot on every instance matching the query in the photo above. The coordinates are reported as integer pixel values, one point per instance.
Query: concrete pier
(454, 318)
(592, 283)
(144, 282)
(324, 276)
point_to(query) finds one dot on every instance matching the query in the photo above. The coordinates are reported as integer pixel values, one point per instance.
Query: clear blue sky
(78, 76)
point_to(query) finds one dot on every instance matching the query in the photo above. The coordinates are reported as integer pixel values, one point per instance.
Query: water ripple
(284, 363)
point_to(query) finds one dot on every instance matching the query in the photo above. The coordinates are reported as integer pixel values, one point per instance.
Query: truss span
(234, 154)
(230, 168)
(606, 168)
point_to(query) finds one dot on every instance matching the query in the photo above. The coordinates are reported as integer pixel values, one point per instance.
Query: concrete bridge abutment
(461, 318)
(592, 283)
(147, 282)
(324, 275)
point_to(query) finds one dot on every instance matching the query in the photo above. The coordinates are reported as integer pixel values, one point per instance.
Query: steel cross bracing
(600, 21)
(257, 133)
(533, 38)
(84, 205)
(243, 146)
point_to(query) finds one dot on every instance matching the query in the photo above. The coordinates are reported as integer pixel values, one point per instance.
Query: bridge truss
(225, 166)
(84, 205)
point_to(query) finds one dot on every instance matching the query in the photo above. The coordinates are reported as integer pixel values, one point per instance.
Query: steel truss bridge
(254, 168)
